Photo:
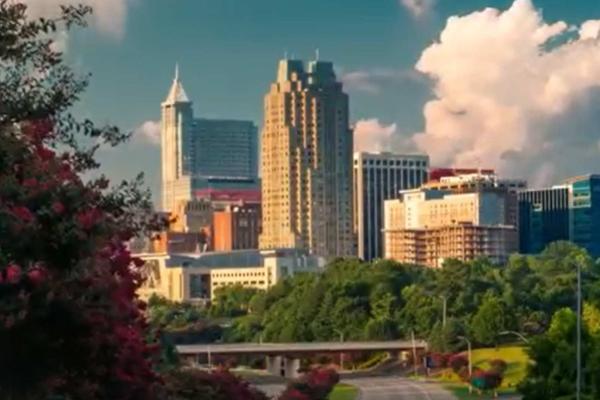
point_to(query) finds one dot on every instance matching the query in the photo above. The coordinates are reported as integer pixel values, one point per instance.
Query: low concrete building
(194, 277)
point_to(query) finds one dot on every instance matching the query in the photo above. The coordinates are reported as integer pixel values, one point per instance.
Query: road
(384, 388)
(397, 388)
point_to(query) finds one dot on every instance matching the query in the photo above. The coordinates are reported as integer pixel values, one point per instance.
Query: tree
(70, 322)
(489, 320)
(551, 375)
(232, 301)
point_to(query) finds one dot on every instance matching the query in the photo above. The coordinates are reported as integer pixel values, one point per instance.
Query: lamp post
(519, 335)
(470, 359)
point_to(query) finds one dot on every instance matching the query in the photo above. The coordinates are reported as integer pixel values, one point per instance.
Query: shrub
(458, 361)
(498, 365)
(193, 384)
(314, 385)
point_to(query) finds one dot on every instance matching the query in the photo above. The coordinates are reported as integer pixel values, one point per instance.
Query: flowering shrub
(70, 322)
(313, 385)
(486, 380)
(498, 365)
(193, 384)
(458, 361)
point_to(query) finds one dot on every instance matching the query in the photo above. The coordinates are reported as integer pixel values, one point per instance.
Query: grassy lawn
(515, 357)
(462, 392)
(343, 392)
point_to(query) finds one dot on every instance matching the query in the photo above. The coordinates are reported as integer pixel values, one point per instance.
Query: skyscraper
(307, 161)
(203, 153)
(570, 211)
(379, 177)
(543, 218)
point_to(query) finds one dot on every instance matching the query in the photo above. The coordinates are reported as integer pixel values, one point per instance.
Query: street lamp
(470, 359)
(523, 338)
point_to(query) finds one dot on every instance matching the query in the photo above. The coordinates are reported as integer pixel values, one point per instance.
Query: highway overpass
(284, 358)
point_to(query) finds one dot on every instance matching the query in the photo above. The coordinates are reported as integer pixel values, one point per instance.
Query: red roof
(229, 195)
(435, 174)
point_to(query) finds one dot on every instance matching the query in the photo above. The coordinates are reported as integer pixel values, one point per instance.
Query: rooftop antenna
(176, 71)
(317, 54)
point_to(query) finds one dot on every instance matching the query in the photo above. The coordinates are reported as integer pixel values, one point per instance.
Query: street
(383, 388)
(397, 388)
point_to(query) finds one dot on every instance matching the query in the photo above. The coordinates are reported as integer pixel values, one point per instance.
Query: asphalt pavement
(383, 388)
(397, 388)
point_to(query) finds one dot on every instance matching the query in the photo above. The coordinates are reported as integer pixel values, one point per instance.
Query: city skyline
(387, 93)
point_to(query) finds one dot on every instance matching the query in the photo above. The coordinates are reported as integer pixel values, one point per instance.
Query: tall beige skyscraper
(306, 161)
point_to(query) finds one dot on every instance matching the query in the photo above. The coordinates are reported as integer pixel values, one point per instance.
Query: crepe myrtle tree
(71, 325)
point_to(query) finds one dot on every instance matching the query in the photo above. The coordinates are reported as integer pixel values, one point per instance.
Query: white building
(196, 276)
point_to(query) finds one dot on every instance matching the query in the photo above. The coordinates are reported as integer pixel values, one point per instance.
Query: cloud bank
(514, 93)
(148, 133)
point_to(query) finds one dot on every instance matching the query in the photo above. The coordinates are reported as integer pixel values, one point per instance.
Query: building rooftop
(227, 259)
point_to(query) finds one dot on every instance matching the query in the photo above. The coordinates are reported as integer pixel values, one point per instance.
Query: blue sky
(228, 49)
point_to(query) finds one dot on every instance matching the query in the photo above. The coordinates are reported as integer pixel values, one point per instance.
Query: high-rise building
(379, 177)
(429, 225)
(306, 162)
(203, 153)
(584, 204)
(482, 181)
(543, 218)
(570, 211)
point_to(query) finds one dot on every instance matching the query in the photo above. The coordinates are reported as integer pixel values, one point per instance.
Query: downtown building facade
(458, 217)
(199, 153)
(570, 211)
(306, 162)
(379, 177)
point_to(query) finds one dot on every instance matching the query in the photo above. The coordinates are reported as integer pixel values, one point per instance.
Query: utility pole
(578, 381)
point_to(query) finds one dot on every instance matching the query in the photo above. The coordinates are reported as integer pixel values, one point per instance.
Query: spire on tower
(176, 93)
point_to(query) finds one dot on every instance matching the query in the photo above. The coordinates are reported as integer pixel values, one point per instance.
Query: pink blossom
(23, 214)
(58, 207)
(13, 273)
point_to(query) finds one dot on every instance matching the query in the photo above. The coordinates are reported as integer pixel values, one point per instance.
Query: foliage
(232, 301)
(552, 373)
(486, 380)
(387, 300)
(70, 323)
(498, 365)
(489, 320)
(192, 384)
(316, 384)
(457, 362)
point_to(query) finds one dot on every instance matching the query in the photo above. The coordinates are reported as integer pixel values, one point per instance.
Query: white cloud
(374, 136)
(109, 15)
(374, 80)
(506, 100)
(418, 8)
(148, 132)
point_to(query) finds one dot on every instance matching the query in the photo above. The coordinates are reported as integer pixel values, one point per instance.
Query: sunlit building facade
(306, 162)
